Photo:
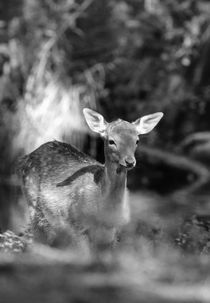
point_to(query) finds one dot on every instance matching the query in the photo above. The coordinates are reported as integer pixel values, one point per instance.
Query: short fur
(70, 195)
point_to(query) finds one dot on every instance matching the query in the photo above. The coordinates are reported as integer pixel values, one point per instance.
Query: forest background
(124, 59)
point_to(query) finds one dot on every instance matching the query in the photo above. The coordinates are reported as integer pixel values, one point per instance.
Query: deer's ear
(95, 121)
(146, 123)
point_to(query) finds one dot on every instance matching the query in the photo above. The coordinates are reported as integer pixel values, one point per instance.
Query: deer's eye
(111, 142)
(137, 141)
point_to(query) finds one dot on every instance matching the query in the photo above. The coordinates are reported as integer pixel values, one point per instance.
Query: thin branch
(182, 163)
(196, 138)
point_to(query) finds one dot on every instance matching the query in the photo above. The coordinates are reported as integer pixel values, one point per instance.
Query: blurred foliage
(142, 55)
(161, 65)
(9, 242)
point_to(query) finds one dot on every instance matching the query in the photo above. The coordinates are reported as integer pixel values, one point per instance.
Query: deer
(72, 196)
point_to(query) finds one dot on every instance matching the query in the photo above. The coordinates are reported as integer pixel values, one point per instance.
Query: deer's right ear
(95, 121)
(145, 124)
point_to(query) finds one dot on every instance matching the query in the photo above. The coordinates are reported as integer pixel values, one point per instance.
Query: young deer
(69, 193)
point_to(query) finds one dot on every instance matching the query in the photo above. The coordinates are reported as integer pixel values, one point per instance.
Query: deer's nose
(130, 163)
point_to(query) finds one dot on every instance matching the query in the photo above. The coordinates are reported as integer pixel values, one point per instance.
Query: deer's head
(121, 137)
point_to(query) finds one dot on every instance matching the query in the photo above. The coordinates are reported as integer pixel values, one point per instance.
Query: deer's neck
(115, 180)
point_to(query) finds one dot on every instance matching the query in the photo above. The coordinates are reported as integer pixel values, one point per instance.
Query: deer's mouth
(127, 165)
(123, 168)
(130, 166)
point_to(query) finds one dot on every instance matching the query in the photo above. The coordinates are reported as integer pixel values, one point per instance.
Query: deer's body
(70, 193)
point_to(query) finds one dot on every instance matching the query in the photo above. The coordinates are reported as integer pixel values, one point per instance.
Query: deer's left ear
(95, 121)
(146, 123)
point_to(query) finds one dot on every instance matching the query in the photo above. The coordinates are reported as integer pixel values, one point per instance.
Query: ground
(162, 256)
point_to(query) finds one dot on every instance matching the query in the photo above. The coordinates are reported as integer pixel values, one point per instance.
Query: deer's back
(53, 162)
(45, 171)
